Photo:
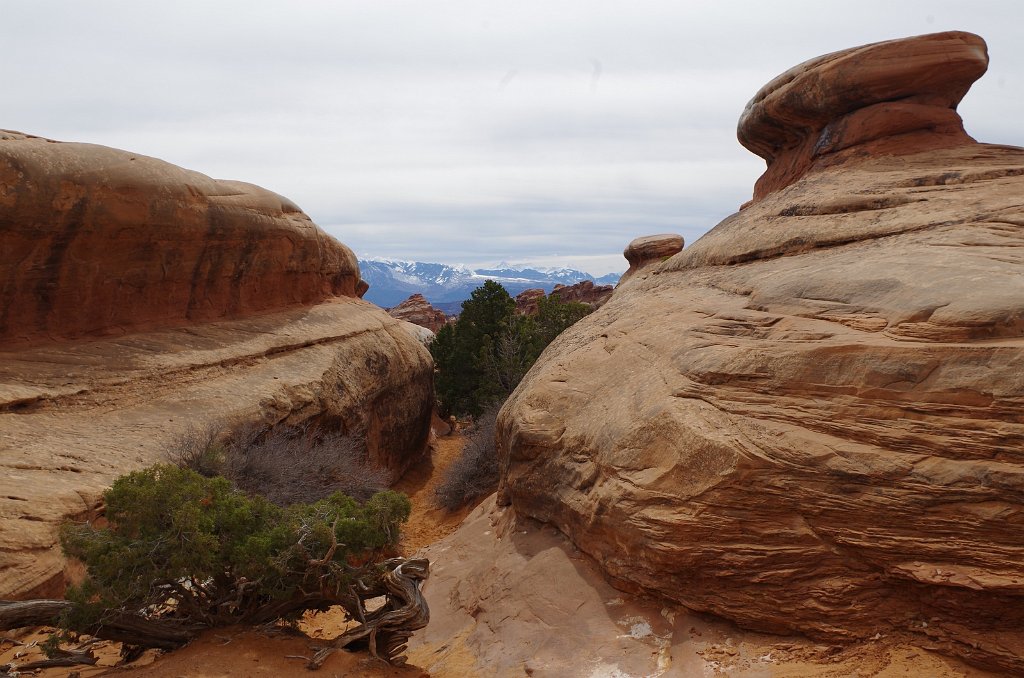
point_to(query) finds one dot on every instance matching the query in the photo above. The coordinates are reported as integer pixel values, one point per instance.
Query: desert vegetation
(482, 357)
(284, 464)
(253, 528)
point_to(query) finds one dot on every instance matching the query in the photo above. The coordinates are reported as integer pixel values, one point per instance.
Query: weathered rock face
(527, 301)
(509, 597)
(812, 419)
(96, 241)
(888, 97)
(584, 292)
(74, 415)
(650, 249)
(418, 311)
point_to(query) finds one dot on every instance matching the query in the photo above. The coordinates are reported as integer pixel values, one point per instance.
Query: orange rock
(584, 292)
(418, 311)
(527, 301)
(98, 241)
(810, 419)
(898, 96)
(95, 241)
(650, 249)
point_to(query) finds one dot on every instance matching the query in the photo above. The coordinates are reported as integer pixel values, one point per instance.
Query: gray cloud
(464, 131)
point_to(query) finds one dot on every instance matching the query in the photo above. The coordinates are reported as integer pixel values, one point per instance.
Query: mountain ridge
(446, 286)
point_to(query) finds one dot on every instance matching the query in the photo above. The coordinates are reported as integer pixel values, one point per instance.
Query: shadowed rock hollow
(811, 419)
(140, 299)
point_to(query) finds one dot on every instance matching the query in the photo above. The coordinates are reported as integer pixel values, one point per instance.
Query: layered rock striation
(120, 257)
(98, 241)
(812, 419)
(883, 98)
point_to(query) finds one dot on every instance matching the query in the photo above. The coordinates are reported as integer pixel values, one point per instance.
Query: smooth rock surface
(510, 597)
(98, 241)
(812, 419)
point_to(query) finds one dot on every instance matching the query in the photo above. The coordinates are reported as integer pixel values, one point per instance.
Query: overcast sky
(465, 131)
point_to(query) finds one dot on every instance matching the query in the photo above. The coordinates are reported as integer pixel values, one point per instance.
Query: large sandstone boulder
(510, 597)
(94, 240)
(812, 419)
(100, 242)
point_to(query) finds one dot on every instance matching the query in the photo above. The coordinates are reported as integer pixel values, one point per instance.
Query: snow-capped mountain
(446, 286)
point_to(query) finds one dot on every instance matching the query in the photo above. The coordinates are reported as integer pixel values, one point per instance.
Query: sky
(548, 133)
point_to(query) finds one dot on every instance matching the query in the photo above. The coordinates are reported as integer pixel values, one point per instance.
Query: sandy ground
(711, 647)
(428, 523)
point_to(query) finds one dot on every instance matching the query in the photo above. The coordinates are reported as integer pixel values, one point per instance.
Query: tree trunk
(123, 627)
(387, 631)
(14, 614)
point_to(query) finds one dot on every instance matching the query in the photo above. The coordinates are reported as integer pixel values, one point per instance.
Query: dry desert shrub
(286, 464)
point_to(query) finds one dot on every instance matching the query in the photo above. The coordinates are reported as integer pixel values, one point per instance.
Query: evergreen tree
(484, 355)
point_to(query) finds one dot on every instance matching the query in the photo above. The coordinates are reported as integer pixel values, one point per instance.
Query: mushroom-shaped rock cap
(898, 96)
(648, 249)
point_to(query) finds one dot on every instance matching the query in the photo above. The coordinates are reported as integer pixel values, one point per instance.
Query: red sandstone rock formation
(527, 301)
(650, 249)
(418, 311)
(584, 292)
(97, 241)
(811, 419)
(889, 97)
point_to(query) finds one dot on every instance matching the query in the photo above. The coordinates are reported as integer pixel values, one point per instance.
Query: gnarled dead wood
(387, 630)
(124, 627)
(15, 614)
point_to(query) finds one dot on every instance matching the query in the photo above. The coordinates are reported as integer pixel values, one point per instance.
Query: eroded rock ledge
(812, 419)
(898, 96)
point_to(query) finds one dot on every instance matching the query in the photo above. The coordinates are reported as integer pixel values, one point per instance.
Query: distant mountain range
(446, 287)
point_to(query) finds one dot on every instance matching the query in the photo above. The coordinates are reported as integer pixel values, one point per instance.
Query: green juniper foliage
(484, 355)
(223, 556)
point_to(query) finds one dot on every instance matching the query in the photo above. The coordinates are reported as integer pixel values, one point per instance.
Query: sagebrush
(285, 464)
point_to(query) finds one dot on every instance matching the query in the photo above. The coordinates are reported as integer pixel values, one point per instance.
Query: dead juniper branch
(386, 631)
(125, 627)
(16, 614)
